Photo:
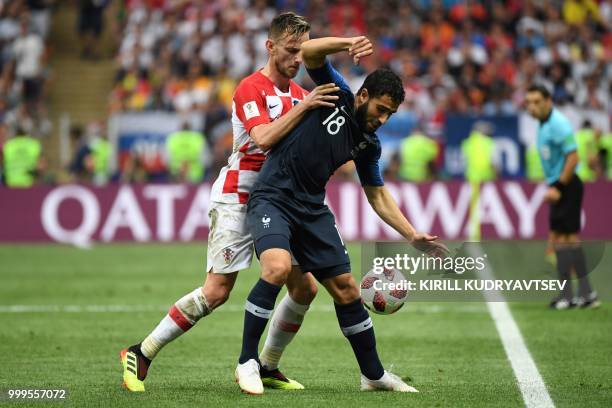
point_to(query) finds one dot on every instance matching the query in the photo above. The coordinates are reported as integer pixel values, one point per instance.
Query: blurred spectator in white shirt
(29, 51)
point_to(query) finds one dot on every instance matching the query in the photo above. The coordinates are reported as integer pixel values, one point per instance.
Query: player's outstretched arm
(268, 134)
(314, 51)
(385, 206)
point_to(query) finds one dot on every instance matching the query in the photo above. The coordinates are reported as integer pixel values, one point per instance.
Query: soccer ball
(384, 300)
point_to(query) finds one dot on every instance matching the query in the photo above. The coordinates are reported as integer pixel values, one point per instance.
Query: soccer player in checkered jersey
(266, 106)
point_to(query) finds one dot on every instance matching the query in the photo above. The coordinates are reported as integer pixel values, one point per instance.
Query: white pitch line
(7, 309)
(531, 384)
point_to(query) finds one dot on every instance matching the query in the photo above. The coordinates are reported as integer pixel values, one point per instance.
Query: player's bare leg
(356, 325)
(181, 317)
(217, 287)
(275, 269)
(285, 323)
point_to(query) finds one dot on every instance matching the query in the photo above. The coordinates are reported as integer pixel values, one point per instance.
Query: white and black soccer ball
(383, 300)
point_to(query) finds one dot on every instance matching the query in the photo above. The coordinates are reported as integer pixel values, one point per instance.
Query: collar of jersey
(276, 90)
(547, 118)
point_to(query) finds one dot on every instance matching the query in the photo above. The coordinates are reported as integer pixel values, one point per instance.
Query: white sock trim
(257, 311)
(193, 305)
(196, 294)
(294, 306)
(150, 347)
(357, 328)
(167, 329)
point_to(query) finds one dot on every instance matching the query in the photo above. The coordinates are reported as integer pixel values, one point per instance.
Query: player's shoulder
(368, 149)
(560, 121)
(254, 82)
(558, 116)
(376, 148)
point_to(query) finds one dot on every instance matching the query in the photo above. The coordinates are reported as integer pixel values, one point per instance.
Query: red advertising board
(80, 214)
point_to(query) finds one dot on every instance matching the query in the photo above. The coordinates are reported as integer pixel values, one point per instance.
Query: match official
(557, 149)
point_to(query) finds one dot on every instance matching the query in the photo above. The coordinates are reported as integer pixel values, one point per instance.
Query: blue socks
(354, 321)
(258, 310)
(357, 326)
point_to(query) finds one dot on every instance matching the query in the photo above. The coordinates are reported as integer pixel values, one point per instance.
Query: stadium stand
(455, 57)
(24, 75)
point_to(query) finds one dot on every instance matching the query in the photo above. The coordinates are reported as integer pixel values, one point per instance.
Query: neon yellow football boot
(275, 380)
(135, 367)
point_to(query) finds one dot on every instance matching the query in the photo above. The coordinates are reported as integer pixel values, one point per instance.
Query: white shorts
(230, 246)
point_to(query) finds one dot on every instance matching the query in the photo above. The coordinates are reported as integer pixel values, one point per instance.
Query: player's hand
(360, 47)
(322, 95)
(552, 195)
(430, 245)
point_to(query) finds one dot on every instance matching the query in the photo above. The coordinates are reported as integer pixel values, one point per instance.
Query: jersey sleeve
(250, 106)
(564, 136)
(368, 168)
(326, 74)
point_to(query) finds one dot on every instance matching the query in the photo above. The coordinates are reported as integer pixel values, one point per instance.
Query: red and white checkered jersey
(256, 101)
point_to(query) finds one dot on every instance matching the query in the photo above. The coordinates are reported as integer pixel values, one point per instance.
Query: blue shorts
(308, 230)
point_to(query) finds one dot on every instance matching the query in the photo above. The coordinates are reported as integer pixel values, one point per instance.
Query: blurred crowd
(464, 57)
(24, 28)
(454, 56)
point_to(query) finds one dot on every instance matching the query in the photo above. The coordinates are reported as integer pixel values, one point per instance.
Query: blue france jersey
(555, 141)
(326, 138)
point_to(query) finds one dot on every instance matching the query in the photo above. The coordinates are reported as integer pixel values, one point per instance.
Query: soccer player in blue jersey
(557, 149)
(286, 214)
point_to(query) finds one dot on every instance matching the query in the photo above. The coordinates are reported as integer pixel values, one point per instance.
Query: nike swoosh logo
(344, 111)
(272, 106)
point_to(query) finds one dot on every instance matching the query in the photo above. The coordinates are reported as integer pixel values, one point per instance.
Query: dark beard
(283, 72)
(361, 117)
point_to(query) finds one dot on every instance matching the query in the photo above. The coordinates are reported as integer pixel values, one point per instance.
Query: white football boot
(388, 382)
(248, 378)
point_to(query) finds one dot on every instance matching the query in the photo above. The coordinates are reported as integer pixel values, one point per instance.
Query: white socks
(286, 321)
(185, 313)
(180, 318)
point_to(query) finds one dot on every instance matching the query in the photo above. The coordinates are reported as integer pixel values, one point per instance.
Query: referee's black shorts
(565, 213)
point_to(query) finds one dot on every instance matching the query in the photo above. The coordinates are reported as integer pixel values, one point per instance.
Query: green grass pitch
(451, 352)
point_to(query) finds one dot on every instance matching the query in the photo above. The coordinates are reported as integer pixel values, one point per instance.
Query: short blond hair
(288, 23)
